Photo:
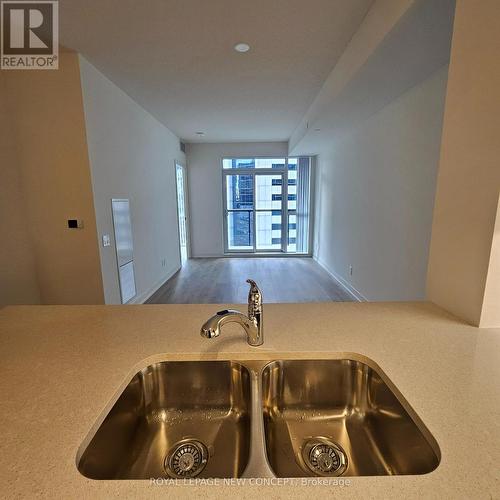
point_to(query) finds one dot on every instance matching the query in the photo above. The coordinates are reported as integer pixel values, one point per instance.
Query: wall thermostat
(75, 223)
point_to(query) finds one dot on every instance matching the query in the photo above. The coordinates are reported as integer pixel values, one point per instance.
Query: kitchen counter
(62, 367)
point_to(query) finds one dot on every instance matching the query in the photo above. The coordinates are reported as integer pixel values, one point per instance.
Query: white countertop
(63, 366)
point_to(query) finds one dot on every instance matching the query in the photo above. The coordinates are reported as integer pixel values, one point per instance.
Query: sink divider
(258, 465)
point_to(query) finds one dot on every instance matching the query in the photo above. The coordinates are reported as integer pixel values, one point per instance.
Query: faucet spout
(212, 326)
(252, 324)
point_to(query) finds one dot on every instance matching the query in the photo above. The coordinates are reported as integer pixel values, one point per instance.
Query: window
(267, 204)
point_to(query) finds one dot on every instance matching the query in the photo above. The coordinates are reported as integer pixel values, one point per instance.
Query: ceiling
(176, 58)
(413, 49)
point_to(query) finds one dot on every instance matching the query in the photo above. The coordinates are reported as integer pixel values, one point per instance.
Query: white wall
(375, 195)
(205, 189)
(132, 156)
(463, 271)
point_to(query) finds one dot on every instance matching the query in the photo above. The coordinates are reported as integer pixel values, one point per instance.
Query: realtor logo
(30, 35)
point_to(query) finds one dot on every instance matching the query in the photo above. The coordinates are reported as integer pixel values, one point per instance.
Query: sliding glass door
(239, 197)
(266, 205)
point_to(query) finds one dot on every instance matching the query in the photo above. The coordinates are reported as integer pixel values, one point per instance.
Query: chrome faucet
(252, 324)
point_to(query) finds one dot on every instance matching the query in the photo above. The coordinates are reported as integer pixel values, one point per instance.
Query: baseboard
(355, 294)
(143, 297)
(207, 256)
(254, 255)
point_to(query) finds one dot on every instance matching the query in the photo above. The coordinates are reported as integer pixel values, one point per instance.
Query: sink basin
(175, 419)
(255, 418)
(340, 417)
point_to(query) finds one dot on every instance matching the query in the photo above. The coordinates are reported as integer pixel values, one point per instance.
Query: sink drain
(324, 458)
(186, 459)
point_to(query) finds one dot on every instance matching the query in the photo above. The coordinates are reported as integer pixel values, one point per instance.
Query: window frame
(283, 251)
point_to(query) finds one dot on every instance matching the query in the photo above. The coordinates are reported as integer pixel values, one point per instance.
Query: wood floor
(223, 281)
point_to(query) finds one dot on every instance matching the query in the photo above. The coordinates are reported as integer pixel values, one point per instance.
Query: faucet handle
(252, 283)
(254, 289)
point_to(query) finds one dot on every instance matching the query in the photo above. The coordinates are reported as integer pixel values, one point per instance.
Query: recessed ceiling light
(242, 47)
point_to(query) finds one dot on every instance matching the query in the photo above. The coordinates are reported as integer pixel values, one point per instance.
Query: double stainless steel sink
(285, 418)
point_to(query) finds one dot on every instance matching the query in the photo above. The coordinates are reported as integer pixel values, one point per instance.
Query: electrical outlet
(350, 270)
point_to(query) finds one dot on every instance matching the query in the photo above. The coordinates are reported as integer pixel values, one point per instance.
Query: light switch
(106, 240)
